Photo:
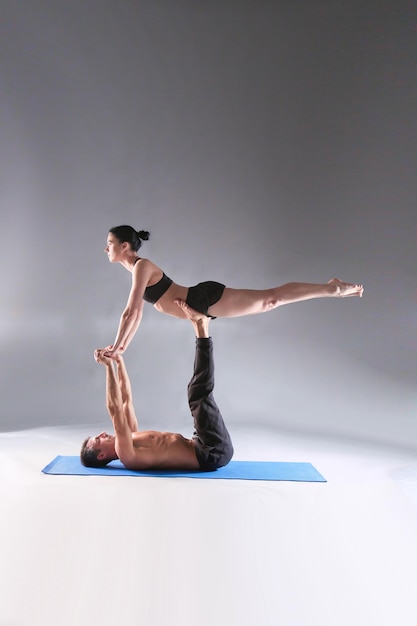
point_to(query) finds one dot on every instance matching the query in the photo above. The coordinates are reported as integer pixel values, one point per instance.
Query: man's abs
(159, 450)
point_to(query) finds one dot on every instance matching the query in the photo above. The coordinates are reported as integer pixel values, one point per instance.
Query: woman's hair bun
(143, 234)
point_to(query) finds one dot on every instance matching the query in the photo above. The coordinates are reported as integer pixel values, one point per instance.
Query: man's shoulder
(128, 456)
(129, 446)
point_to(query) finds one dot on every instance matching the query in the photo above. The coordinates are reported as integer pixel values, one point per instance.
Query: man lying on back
(209, 448)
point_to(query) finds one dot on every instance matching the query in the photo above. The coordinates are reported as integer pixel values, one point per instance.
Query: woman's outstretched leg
(237, 302)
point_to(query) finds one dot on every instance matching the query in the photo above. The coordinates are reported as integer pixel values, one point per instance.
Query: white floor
(77, 551)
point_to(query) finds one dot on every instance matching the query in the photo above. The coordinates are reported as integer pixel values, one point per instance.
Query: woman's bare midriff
(160, 450)
(166, 303)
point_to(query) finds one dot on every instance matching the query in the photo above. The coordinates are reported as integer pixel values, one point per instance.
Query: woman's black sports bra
(156, 291)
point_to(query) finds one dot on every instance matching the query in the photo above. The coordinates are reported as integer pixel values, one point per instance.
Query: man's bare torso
(160, 450)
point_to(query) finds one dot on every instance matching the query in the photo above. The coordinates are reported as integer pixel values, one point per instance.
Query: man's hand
(101, 357)
(108, 352)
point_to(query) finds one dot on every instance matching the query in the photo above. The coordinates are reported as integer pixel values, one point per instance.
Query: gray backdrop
(260, 142)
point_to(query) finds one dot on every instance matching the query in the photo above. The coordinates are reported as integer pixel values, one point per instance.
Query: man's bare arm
(126, 391)
(114, 404)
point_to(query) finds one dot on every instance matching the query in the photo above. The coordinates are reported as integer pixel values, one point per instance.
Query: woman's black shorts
(202, 296)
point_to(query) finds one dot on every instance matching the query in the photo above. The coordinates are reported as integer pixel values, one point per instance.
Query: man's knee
(225, 456)
(213, 457)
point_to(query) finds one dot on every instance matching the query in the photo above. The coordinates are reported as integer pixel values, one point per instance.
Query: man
(210, 446)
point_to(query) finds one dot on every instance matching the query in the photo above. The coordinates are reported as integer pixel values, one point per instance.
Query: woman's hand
(100, 352)
(113, 354)
(101, 358)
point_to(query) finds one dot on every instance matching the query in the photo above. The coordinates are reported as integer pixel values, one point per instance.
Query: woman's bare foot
(198, 320)
(345, 290)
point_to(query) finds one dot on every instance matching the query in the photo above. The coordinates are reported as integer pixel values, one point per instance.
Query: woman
(213, 299)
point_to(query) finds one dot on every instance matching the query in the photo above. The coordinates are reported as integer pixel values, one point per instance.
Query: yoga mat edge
(235, 470)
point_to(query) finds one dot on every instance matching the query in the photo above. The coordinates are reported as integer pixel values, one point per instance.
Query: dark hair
(129, 234)
(89, 458)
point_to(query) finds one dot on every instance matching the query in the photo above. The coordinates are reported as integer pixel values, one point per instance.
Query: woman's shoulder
(145, 263)
(146, 269)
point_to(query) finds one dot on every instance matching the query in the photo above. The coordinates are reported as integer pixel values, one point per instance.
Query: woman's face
(113, 248)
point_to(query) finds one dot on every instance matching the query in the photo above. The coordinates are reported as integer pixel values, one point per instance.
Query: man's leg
(213, 444)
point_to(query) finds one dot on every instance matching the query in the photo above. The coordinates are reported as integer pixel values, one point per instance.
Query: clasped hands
(107, 353)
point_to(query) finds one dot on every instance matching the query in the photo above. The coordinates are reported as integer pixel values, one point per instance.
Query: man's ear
(101, 456)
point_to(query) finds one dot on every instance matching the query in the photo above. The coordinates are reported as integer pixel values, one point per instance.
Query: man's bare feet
(346, 290)
(190, 314)
(199, 321)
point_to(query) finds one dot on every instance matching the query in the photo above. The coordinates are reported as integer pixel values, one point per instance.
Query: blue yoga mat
(237, 470)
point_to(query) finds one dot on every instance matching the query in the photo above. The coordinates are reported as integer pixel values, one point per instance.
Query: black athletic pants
(212, 441)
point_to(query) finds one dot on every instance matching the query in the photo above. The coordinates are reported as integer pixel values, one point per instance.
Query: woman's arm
(132, 314)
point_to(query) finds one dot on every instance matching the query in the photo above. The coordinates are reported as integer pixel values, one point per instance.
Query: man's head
(98, 451)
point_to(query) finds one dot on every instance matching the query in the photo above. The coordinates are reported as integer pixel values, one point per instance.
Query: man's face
(102, 442)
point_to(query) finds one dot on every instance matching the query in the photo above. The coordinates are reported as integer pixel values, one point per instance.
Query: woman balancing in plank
(213, 299)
